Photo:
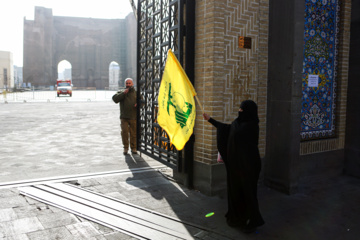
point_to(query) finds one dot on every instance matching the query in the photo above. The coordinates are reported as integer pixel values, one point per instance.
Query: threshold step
(130, 219)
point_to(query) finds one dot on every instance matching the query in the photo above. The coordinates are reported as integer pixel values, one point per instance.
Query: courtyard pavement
(76, 140)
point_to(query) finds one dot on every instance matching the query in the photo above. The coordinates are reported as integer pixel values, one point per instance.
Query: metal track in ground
(130, 219)
(68, 178)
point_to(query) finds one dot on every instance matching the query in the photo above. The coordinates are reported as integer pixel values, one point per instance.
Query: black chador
(238, 145)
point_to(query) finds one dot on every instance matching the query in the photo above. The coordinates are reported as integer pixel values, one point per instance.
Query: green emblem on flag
(181, 116)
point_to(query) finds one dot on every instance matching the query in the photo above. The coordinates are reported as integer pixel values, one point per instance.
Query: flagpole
(199, 104)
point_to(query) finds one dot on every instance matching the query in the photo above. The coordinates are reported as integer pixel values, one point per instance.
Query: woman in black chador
(238, 145)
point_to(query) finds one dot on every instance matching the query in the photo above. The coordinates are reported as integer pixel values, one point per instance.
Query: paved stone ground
(40, 140)
(326, 209)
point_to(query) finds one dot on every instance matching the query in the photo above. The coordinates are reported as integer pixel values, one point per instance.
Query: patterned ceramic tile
(319, 68)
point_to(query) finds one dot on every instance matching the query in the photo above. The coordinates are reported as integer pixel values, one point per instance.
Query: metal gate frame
(160, 27)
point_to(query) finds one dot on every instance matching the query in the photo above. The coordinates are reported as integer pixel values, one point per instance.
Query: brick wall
(225, 74)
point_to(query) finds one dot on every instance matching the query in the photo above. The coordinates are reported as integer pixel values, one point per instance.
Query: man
(127, 100)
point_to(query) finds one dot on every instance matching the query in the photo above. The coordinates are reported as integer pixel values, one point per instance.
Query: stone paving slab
(20, 226)
(58, 219)
(83, 230)
(51, 234)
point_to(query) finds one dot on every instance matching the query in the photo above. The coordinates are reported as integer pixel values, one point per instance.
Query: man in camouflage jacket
(127, 100)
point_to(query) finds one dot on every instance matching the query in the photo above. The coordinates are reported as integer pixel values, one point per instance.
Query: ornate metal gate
(160, 27)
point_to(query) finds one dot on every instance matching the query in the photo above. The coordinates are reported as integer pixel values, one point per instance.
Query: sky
(13, 13)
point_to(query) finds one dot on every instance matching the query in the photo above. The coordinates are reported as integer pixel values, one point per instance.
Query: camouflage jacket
(127, 103)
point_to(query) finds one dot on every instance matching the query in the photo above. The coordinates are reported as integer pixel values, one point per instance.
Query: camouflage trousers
(128, 130)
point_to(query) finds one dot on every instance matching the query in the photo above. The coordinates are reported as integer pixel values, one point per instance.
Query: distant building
(6, 70)
(114, 76)
(67, 73)
(18, 76)
(60, 75)
(88, 44)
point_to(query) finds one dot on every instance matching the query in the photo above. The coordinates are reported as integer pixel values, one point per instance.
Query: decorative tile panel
(319, 69)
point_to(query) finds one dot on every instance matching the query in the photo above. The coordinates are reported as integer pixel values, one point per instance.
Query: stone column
(286, 30)
(352, 141)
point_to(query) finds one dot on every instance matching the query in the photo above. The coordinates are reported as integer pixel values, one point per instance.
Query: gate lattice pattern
(159, 28)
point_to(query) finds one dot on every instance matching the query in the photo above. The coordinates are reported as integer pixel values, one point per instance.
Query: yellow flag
(176, 113)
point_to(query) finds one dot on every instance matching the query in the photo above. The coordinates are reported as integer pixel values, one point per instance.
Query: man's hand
(126, 90)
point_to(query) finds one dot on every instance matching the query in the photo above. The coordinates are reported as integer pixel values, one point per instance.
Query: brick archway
(89, 44)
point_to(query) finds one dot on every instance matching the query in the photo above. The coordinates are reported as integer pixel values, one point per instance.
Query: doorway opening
(64, 70)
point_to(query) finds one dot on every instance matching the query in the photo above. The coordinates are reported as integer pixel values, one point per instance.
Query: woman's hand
(206, 116)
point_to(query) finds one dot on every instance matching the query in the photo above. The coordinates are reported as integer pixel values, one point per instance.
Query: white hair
(129, 79)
